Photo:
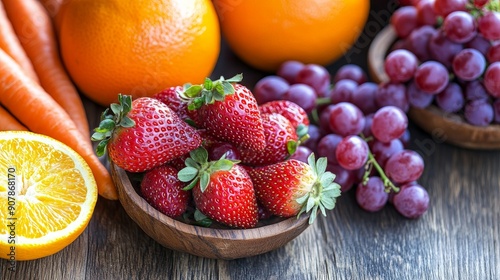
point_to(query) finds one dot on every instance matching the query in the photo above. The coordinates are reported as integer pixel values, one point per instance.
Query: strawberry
(142, 134)
(290, 110)
(281, 142)
(222, 190)
(293, 187)
(228, 111)
(171, 97)
(161, 188)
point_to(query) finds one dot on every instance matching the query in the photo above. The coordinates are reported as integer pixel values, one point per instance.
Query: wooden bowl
(215, 243)
(451, 128)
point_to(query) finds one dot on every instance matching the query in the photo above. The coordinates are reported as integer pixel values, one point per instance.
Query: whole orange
(137, 47)
(266, 33)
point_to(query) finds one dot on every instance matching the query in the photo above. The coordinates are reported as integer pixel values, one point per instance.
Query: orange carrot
(34, 107)
(11, 45)
(8, 122)
(55, 9)
(34, 29)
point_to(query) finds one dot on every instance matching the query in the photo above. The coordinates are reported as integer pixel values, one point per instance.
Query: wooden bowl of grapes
(214, 242)
(452, 128)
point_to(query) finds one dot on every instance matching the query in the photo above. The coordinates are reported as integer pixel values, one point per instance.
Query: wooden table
(458, 238)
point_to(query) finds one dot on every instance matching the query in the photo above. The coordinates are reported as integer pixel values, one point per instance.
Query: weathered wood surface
(458, 238)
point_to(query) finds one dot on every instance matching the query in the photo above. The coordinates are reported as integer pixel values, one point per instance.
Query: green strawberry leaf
(204, 180)
(235, 79)
(112, 118)
(187, 174)
(199, 155)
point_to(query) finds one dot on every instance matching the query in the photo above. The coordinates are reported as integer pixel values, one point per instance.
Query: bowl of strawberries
(204, 170)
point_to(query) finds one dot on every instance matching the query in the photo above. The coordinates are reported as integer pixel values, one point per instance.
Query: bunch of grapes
(360, 127)
(448, 54)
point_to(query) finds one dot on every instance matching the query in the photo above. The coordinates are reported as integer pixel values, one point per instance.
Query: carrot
(8, 122)
(34, 107)
(34, 29)
(11, 45)
(55, 9)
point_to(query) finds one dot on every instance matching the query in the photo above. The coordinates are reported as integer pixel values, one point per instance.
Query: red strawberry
(143, 134)
(222, 190)
(161, 188)
(293, 187)
(171, 97)
(290, 110)
(228, 111)
(281, 142)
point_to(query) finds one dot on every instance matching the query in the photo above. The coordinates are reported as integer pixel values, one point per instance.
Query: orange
(137, 47)
(47, 193)
(266, 33)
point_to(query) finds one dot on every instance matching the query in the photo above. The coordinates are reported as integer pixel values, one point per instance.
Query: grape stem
(373, 163)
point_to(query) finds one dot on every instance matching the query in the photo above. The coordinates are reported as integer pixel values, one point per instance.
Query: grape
(411, 201)
(491, 81)
(288, 70)
(302, 153)
(351, 72)
(315, 76)
(383, 151)
(372, 196)
(352, 152)
(345, 178)
(431, 77)
(392, 94)
(496, 109)
(346, 119)
(404, 20)
(418, 98)
(364, 97)
(327, 146)
(418, 40)
(324, 119)
(400, 65)
(405, 138)
(475, 90)
(489, 25)
(459, 27)
(404, 166)
(425, 13)
(314, 135)
(469, 64)
(451, 99)
(217, 150)
(479, 112)
(342, 91)
(479, 43)
(445, 7)
(389, 123)
(303, 95)
(442, 49)
(367, 130)
(493, 53)
(270, 88)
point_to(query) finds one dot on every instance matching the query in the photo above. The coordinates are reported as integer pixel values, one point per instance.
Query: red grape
(342, 91)
(469, 64)
(459, 27)
(346, 119)
(425, 13)
(431, 77)
(475, 90)
(419, 39)
(352, 152)
(392, 94)
(411, 201)
(383, 151)
(445, 7)
(345, 178)
(442, 49)
(404, 20)
(327, 146)
(493, 53)
(400, 65)
(389, 123)
(479, 112)
(270, 88)
(489, 25)
(303, 95)
(418, 98)
(364, 97)
(451, 99)
(315, 76)
(351, 72)
(288, 70)
(491, 79)
(372, 196)
(404, 166)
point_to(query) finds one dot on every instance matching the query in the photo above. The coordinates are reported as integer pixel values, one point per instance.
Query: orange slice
(47, 195)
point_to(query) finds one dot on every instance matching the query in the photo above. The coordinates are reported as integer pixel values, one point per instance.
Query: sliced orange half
(47, 195)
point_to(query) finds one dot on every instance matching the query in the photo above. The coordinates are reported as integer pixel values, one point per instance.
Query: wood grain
(458, 238)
